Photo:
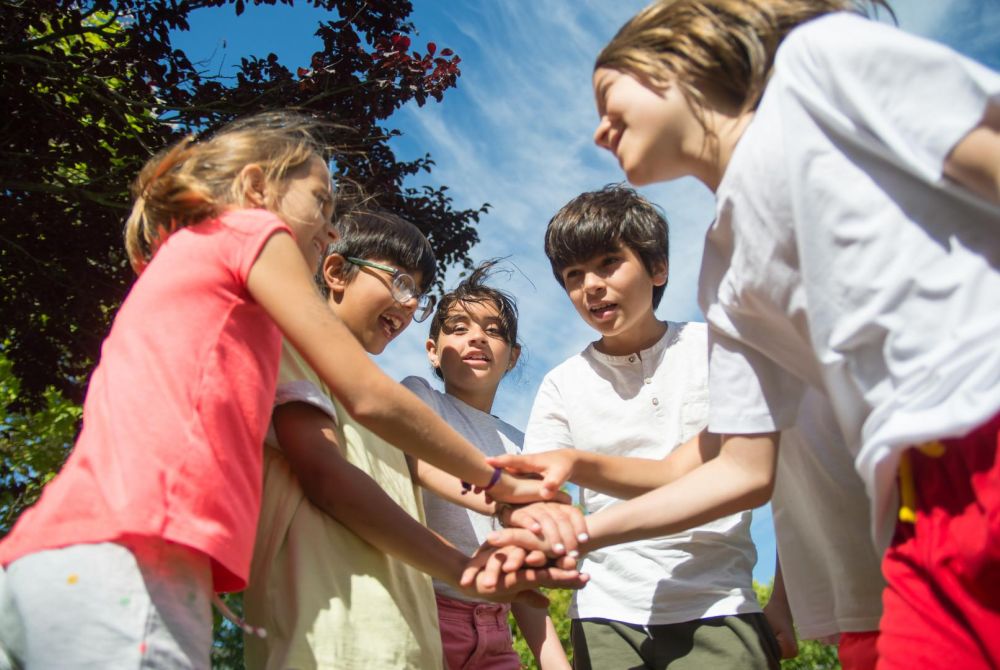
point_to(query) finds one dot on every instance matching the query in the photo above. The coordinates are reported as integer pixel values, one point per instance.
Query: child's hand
(562, 526)
(525, 490)
(486, 575)
(554, 467)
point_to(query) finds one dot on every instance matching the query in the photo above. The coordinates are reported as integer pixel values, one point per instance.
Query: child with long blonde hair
(855, 250)
(157, 505)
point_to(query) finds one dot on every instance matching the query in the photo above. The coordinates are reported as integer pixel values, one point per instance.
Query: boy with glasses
(338, 574)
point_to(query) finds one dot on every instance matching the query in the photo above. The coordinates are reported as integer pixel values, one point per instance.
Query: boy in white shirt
(641, 389)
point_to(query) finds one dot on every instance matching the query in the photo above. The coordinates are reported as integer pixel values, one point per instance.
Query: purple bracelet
(466, 486)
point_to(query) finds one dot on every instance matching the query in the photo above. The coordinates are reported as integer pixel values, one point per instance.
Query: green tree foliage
(92, 89)
(32, 444)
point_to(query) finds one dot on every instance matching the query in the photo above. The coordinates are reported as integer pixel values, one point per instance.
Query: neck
(479, 399)
(718, 150)
(634, 340)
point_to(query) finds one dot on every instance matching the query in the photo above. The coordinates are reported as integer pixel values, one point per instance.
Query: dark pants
(743, 641)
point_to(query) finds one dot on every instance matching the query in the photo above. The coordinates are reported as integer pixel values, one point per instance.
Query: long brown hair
(197, 178)
(725, 47)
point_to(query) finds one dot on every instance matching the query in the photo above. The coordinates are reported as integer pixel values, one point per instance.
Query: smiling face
(613, 292)
(653, 132)
(306, 205)
(473, 353)
(364, 301)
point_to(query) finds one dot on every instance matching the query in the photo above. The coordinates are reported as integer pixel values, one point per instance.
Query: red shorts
(858, 651)
(941, 605)
(476, 635)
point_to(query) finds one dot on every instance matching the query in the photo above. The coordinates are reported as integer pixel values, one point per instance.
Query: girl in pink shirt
(158, 503)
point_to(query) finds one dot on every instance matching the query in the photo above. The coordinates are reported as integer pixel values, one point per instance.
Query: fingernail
(583, 537)
(574, 554)
(559, 548)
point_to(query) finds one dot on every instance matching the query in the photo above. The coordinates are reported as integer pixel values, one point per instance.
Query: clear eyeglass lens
(425, 305)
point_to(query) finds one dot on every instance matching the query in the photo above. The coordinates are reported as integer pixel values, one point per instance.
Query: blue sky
(517, 133)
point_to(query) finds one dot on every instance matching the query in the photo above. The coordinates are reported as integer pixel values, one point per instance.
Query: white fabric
(494, 437)
(841, 255)
(644, 405)
(830, 567)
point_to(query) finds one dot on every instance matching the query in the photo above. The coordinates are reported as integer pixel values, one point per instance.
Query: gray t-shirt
(462, 527)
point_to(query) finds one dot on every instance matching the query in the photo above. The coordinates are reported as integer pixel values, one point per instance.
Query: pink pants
(476, 636)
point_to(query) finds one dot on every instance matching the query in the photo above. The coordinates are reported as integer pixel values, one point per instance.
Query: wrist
(494, 479)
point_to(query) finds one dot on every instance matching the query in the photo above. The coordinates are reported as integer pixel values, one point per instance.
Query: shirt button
(631, 359)
(647, 380)
(656, 401)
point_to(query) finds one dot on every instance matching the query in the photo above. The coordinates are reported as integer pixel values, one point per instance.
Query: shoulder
(423, 390)
(836, 39)
(577, 365)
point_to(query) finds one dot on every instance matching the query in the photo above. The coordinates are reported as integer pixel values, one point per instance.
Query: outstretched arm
(309, 439)
(281, 283)
(559, 522)
(741, 477)
(618, 476)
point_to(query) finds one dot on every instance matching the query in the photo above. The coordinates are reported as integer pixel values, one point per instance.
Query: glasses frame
(402, 286)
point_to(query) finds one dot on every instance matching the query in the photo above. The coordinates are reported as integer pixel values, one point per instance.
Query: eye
(494, 331)
(571, 275)
(610, 261)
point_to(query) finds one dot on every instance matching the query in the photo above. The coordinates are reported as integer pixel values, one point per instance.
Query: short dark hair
(474, 289)
(384, 236)
(597, 222)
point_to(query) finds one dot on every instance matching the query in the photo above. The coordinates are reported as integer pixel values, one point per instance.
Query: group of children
(851, 285)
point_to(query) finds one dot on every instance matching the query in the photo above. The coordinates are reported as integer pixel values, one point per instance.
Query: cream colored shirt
(327, 598)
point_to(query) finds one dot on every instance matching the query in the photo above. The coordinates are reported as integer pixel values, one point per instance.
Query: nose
(332, 234)
(601, 133)
(592, 282)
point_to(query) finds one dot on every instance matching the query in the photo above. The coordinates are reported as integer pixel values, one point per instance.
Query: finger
(558, 578)
(469, 574)
(516, 536)
(515, 558)
(578, 522)
(566, 562)
(549, 528)
(514, 462)
(537, 559)
(562, 515)
(491, 572)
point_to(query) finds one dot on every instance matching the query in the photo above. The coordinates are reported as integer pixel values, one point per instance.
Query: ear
(253, 184)
(515, 354)
(432, 352)
(660, 273)
(333, 274)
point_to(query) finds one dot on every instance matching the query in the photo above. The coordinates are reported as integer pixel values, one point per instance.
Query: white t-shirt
(462, 527)
(644, 405)
(831, 569)
(841, 255)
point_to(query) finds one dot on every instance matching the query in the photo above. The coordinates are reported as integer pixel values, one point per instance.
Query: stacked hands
(542, 534)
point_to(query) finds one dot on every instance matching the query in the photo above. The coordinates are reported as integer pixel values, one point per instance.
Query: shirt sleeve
(915, 97)
(748, 393)
(298, 383)
(548, 424)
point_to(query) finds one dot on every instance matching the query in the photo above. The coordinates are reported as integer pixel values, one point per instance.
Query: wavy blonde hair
(723, 48)
(198, 178)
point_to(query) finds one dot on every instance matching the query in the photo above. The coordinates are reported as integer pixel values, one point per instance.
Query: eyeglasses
(403, 288)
